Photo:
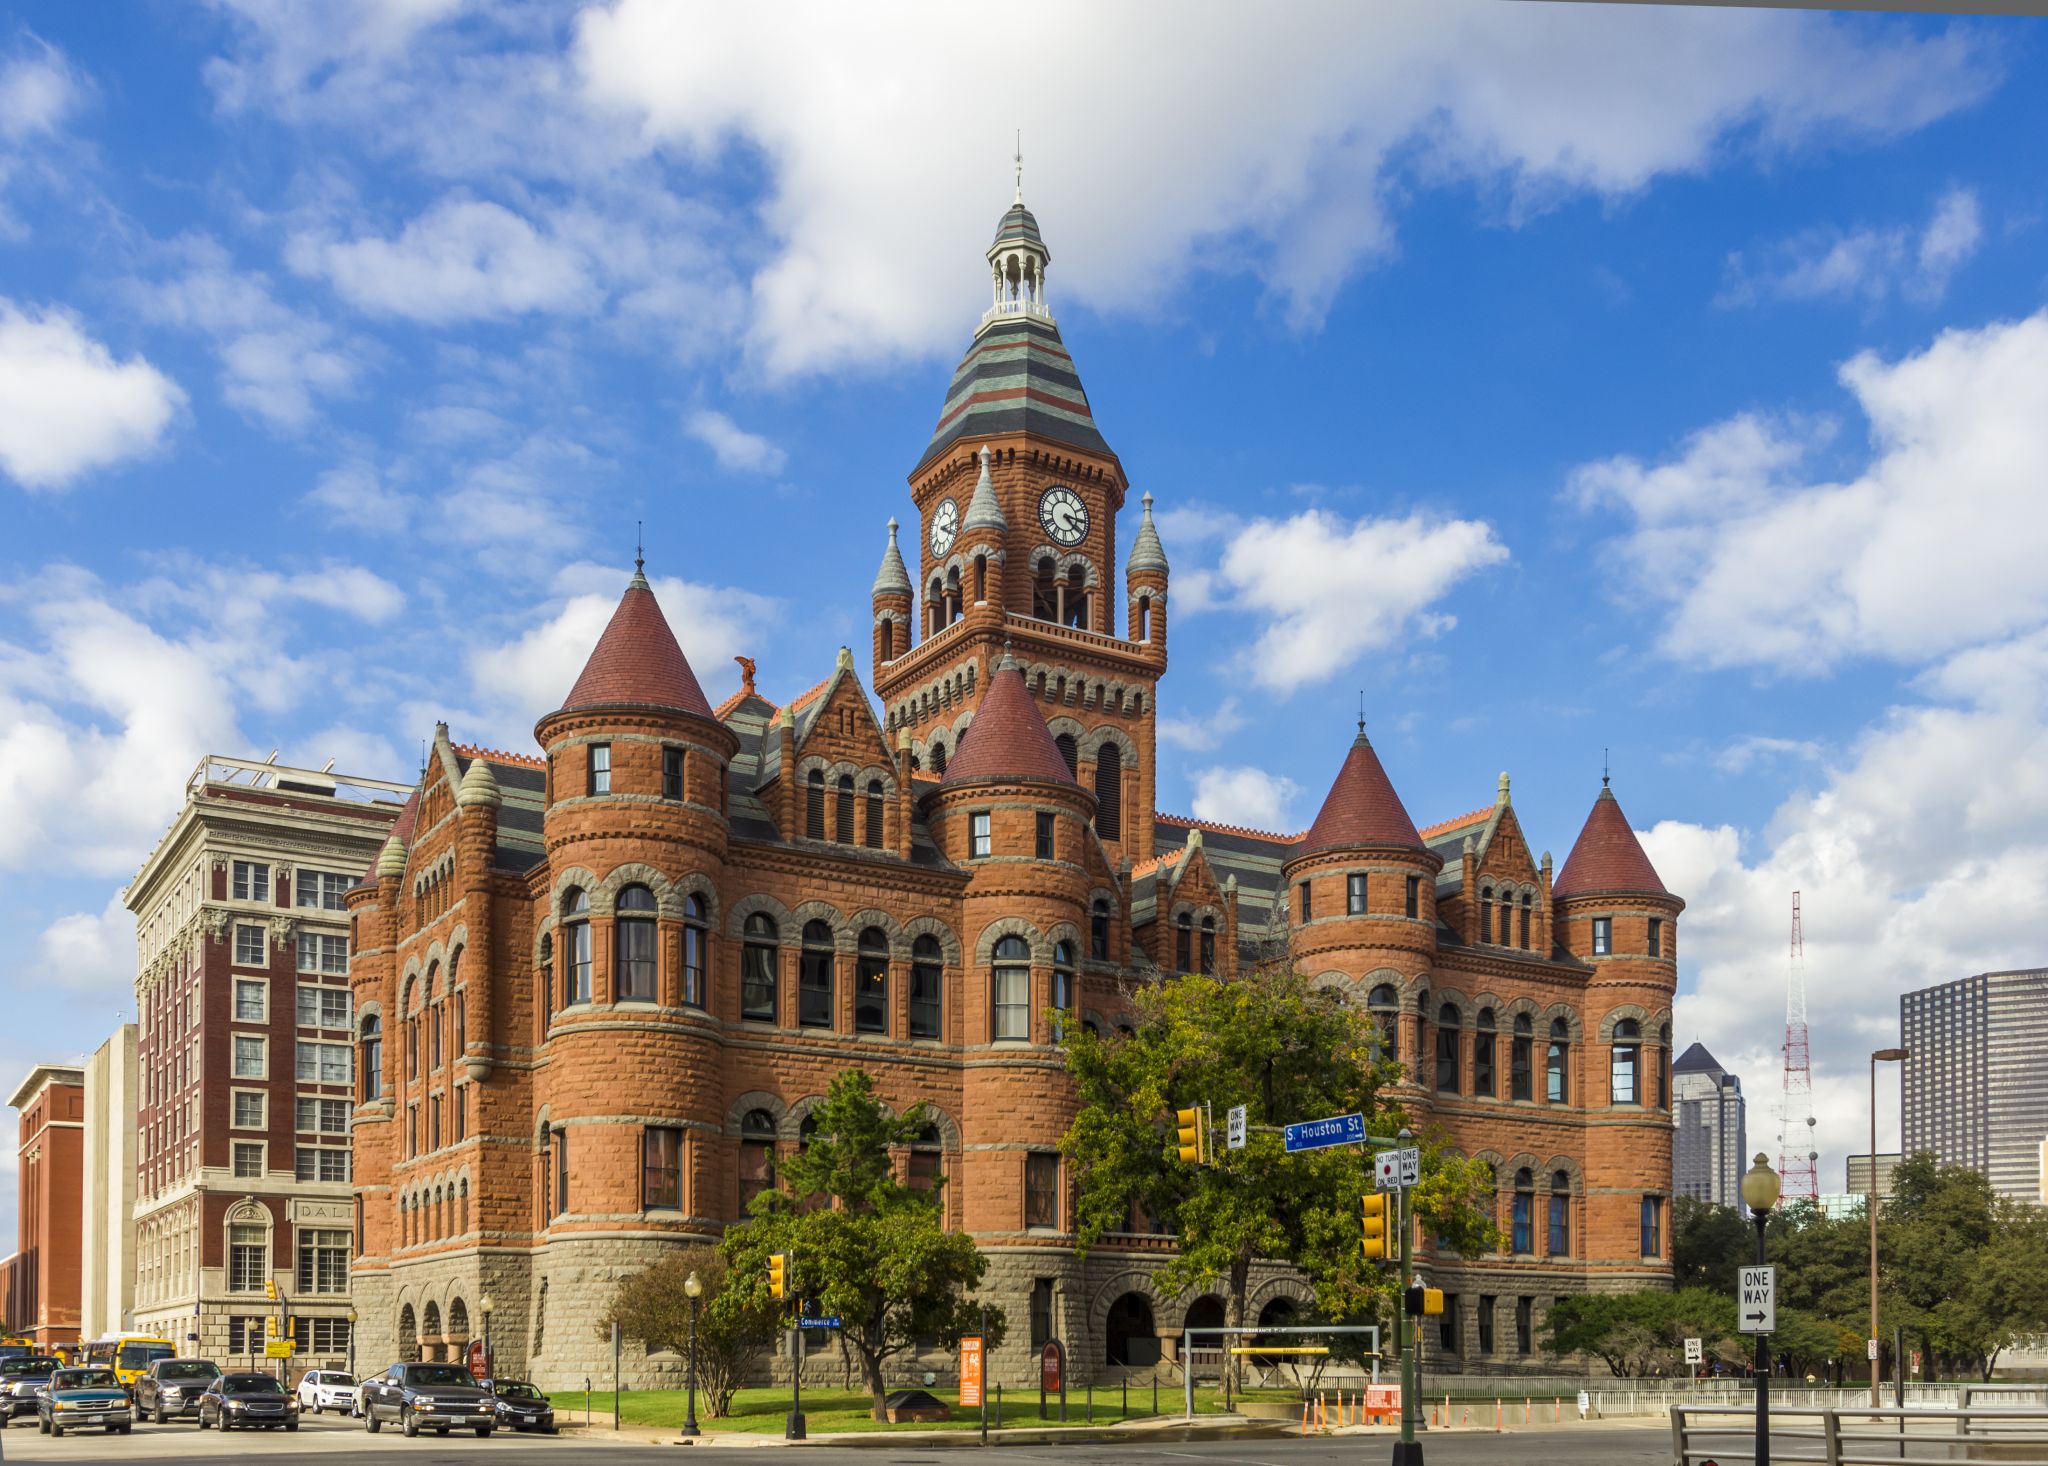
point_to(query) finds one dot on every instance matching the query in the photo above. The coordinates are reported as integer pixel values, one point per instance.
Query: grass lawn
(763, 1410)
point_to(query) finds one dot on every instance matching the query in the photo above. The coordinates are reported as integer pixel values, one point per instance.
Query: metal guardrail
(1713, 1435)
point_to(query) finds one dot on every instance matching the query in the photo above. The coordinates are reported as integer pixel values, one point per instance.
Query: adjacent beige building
(106, 1282)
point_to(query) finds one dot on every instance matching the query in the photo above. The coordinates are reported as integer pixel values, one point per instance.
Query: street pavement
(1610, 1443)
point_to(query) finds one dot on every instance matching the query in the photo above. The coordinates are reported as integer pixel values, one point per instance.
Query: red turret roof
(1008, 738)
(1362, 808)
(1606, 856)
(637, 663)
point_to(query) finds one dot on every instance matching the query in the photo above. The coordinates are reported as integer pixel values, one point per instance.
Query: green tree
(1287, 1052)
(864, 1246)
(1708, 1243)
(653, 1306)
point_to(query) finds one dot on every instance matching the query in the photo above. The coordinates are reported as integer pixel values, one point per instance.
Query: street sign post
(1235, 1120)
(1695, 1351)
(1756, 1300)
(1321, 1134)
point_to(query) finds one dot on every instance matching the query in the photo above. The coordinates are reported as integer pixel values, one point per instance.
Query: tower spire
(1019, 160)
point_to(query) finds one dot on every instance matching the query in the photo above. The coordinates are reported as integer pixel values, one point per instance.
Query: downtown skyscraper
(1974, 1089)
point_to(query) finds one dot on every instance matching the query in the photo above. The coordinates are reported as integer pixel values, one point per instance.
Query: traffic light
(1432, 1302)
(778, 1274)
(1194, 1147)
(270, 1289)
(1374, 1224)
(270, 1325)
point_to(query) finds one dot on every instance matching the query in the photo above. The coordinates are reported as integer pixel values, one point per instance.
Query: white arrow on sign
(1411, 1165)
(1756, 1300)
(1695, 1351)
(1236, 1121)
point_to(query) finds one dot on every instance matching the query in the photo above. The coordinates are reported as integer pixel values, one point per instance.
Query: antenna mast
(1798, 1161)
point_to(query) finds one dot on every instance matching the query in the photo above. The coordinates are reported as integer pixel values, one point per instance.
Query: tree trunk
(1240, 1277)
(871, 1374)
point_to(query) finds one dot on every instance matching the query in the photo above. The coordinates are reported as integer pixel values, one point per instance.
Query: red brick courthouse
(598, 989)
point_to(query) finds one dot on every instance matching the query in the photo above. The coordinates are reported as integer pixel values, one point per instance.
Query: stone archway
(408, 1334)
(1129, 1334)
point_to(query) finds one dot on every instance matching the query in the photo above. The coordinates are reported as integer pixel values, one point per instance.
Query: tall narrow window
(1527, 906)
(1098, 930)
(671, 773)
(871, 983)
(1521, 1057)
(1559, 1243)
(1656, 936)
(927, 978)
(1183, 936)
(1109, 791)
(1482, 1053)
(814, 805)
(843, 814)
(661, 1168)
(1556, 1063)
(1011, 990)
(633, 938)
(757, 1155)
(696, 942)
(1486, 918)
(576, 934)
(1354, 895)
(1414, 905)
(757, 968)
(938, 758)
(1070, 751)
(981, 580)
(372, 1048)
(1042, 843)
(1653, 1226)
(876, 810)
(1384, 1004)
(1603, 935)
(1144, 618)
(546, 985)
(1209, 945)
(1484, 1319)
(1063, 982)
(814, 987)
(1664, 1067)
(1447, 1048)
(1626, 1063)
(979, 846)
(561, 1171)
(1305, 902)
(926, 1158)
(1525, 1325)
(1041, 1189)
(1524, 1213)
(600, 768)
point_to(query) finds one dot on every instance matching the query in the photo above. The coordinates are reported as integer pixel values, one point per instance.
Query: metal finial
(1603, 768)
(1361, 712)
(639, 549)
(1020, 165)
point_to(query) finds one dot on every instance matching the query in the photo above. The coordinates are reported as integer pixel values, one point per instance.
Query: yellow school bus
(128, 1355)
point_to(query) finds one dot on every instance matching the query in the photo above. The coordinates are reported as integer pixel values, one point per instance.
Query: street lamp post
(694, 1290)
(1760, 1190)
(351, 1343)
(1888, 1056)
(485, 1306)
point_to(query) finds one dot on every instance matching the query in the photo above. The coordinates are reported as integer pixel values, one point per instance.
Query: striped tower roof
(1019, 226)
(1016, 378)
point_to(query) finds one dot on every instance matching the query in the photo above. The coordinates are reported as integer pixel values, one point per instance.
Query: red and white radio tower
(1798, 1162)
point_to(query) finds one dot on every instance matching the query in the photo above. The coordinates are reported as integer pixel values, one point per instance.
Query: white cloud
(1242, 795)
(66, 405)
(1201, 729)
(462, 260)
(1867, 264)
(39, 90)
(356, 495)
(1936, 543)
(736, 449)
(1756, 748)
(90, 950)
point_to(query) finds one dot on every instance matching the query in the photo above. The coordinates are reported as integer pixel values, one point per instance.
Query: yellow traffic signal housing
(1193, 1147)
(270, 1325)
(1374, 1224)
(1432, 1302)
(270, 1289)
(778, 1274)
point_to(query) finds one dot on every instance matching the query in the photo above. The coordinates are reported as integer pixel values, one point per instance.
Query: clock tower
(1017, 496)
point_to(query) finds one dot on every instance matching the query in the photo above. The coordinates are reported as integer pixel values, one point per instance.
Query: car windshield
(84, 1379)
(184, 1369)
(250, 1384)
(38, 1365)
(518, 1390)
(434, 1376)
(337, 1380)
(141, 1356)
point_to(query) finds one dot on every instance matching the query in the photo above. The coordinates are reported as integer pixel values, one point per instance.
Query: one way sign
(1756, 1301)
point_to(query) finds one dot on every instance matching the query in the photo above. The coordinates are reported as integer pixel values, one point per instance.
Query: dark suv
(170, 1388)
(22, 1382)
(436, 1397)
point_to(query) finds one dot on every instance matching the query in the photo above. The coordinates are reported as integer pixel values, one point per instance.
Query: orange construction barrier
(1528, 1410)
(1496, 1415)
(1304, 1414)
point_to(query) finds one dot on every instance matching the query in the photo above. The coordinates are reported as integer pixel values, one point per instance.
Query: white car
(321, 1390)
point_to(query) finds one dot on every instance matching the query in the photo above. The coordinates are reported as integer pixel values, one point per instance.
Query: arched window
(371, 1066)
(927, 980)
(1447, 1048)
(547, 976)
(1482, 1054)
(926, 1158)
(633, 940)
(1011, 990)
(1209, 945)
(888, 631)
(1144, 618)
(1527, 901)
(1556, 1078)
(954, 610)
(1521, 1058)
(871, 983)
(757, 1155)
(1524, 1213)
(1183, 941)
(935, 608)
(814, 984)
(1559, 1243)
(814, 805)
(938, 758)
(576, 936)
(1627, 1063)
(1077, 598)
(758, 959)
(843, 814)
(1098, 930)
(1486, 914)
(433, 1018)
(1044, 596)
(980, 580)
(1109, 792)
(1385, 1006)
(1664, 1067)
(875, 812)
(1070, 751)
(696, 944)
(1063, 978)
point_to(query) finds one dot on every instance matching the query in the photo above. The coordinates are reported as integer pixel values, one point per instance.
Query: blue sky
(1565, 378)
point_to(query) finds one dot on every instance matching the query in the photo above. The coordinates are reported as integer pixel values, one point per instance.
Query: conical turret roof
(984, 511)
(637, 662)
(1607, 856)
(1008, 738)
(1146, 551)
(1362, 808)
(893, 578)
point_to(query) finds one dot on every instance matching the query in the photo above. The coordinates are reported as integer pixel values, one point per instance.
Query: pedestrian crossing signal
(1193, 1139)
(778, 1274)
(1432, 1302)
(1374, 1225)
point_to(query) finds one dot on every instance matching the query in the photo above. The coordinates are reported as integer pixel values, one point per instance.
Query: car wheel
(43, 1425)
(56, 1429)
(125, 1429)
(160, 1418)
(291, 1425)
(408, 1427)
(483, 1432)
(370, 1421)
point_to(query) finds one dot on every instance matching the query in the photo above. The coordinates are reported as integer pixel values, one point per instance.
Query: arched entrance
(1279, 1313)
(1206, 1312)
(408, 1334)
(1129, 1336)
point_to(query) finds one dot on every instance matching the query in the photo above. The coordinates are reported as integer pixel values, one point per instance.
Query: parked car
(321, 1390)
(521, 1405)
(436, 1397)
(77, 1398)
(170, 1388)
(22, 1382)
(245, 1401)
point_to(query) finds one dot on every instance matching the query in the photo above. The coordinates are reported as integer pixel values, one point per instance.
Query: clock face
(945, 525)
(1063, 515)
